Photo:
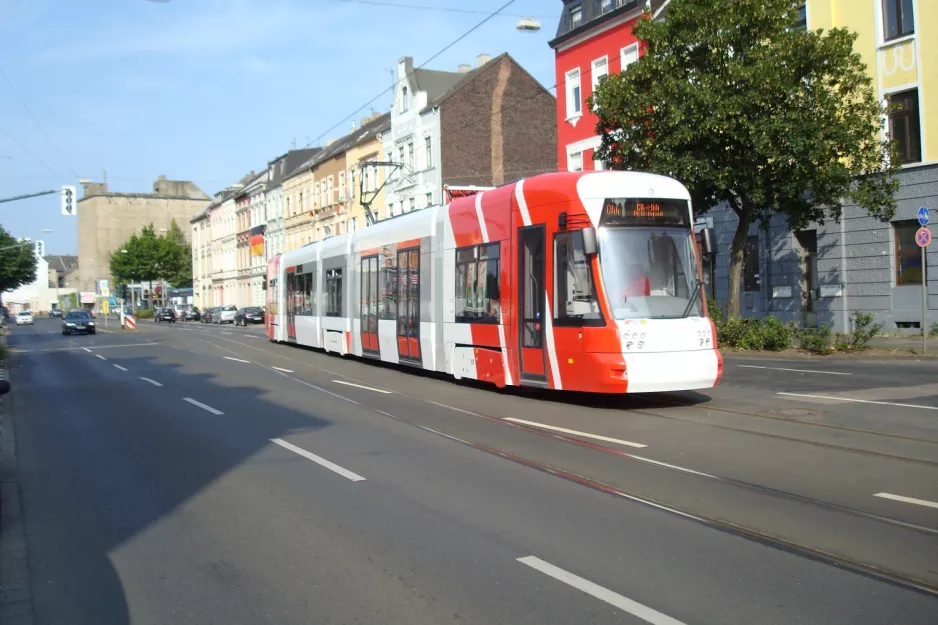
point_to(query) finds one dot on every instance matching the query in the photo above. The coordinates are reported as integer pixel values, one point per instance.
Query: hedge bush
(144, 313)
(750, 333)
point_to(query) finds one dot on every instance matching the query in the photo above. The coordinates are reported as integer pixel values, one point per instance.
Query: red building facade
(594, 39)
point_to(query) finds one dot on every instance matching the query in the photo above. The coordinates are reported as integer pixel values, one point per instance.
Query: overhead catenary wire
(421, 66)
(31, 153)
(425, 7)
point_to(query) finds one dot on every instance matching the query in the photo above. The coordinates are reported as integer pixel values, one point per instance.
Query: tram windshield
(649, 272)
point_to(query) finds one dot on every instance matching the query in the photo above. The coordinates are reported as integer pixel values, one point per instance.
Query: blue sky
(206, 90)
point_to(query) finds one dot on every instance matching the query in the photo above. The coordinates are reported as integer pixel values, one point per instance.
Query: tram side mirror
(707, 242)
(589, 241)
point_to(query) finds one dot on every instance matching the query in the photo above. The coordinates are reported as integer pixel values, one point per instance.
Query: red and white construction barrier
(130, 322)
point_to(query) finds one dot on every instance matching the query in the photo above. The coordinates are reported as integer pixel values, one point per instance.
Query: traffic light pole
(28, 195)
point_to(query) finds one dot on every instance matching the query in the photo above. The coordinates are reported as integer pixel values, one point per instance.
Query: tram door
(532, 301)
(291, 304)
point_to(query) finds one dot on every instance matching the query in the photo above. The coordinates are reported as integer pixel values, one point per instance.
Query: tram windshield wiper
(693, 299)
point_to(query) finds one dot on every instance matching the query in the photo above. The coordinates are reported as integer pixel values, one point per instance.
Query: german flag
(257, 240)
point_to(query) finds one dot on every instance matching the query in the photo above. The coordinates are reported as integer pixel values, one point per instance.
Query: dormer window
(576, 17)
(605, 6)
(404, 103)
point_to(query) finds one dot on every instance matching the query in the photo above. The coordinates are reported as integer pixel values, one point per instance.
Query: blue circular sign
(923, 216)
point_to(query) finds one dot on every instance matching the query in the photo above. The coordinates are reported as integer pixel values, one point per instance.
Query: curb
(16, 599)
(866, 355)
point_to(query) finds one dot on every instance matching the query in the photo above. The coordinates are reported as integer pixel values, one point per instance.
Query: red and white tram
(587, 281)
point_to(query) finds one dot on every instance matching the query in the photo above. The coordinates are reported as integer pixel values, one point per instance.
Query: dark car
(207, 315)
(249, 314)
(55, 313)
(166, 314)
(78, 321)
(191, 313)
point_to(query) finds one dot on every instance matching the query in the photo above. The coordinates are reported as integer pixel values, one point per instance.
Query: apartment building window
(429, 152)
(341, 186)
(576, 17)
(317, 198)
(629, 55)
(400, 154)
(801, 22)
(366, 179)
(575, 161)
(429, 199)
(413, 204)
(605, 6)
(391, 209)
(600, 69)
(410, 154)
(573, 94)
(351, 184)
(302, 205)
(908, 253)
(330, 193)
(404, 103)
(288, 207)
(904, 126)
(897, 19)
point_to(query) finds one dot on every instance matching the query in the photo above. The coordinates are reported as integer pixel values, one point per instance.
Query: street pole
(924, 306)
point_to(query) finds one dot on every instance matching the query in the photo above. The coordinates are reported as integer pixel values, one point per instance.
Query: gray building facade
(827, 272)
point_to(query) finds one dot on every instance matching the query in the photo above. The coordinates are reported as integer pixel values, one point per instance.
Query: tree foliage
(17, 262)
(147, 257)
(744, 109)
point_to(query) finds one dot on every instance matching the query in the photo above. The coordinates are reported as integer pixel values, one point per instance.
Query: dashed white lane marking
(355, 477)
(634, 608)
(283, 370)
(229, 333)
(202, 406)
(236, 359)
(86, 349)
(858, 401)
(100, 356)
(153, 382)
(919, 502)
(367, 388)
(796, 370)
(120, 367)
(575, 432)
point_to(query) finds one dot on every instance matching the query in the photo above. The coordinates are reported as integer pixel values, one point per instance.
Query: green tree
(744, 109)
(17, 262)
(176, 257)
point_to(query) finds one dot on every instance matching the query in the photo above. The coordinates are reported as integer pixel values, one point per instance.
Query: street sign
(923, 237)
(68, 201)
(923, 216)
(105, 292)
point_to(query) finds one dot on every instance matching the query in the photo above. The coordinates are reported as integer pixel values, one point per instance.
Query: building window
(341, 186)
(413, 204)
(751, 265)
(573, 94)
(904, 126)
(605, 6)
(302, 206)
(600, 69)
(404, 103)
(333, 293)
(629, 56)
(330, 192)
(801, 22)
(429, 152)
(400, 154)
(429, 199)
(575, 301)
(908, 253)
(897, 19)
(575, 161)
(576, 17)
(410, 154)
(477, 287)
(351, 184)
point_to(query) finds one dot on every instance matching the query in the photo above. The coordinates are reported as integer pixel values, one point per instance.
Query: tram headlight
(641, 344)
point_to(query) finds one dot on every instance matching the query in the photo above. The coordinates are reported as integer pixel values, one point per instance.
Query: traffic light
(68, 201)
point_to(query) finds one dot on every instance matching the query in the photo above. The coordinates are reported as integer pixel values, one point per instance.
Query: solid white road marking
(634, 608)
(355, 477)
(920, 502)
(279, 369)
(796, 370)
(235, 359)
(859, 401)
(120, 367)
(575, 432)
(153, 382)
(202, 406)
(367, 388)
(100, 356)
(322, 390)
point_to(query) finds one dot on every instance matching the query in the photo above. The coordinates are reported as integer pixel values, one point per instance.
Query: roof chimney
(353, 125)
(464, 69)
(482, 59)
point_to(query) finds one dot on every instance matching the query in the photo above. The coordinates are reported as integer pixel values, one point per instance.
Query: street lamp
(528, 24)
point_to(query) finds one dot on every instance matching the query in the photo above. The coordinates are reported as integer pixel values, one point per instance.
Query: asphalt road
(198, 474)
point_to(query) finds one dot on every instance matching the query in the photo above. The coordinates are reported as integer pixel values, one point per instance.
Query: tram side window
(333, 290)
(273, 303)
(477, 284)
(575, 301)
(388, 285)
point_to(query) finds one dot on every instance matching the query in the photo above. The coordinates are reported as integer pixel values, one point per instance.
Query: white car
(24, 318)
(225, 315)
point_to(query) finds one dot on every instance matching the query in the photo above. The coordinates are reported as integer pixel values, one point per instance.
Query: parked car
(78, 321)
(207, 315)
(225, 314)
(191, 313)
(166, 314)
(249, 314)
(55, 313)
(24, 318)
